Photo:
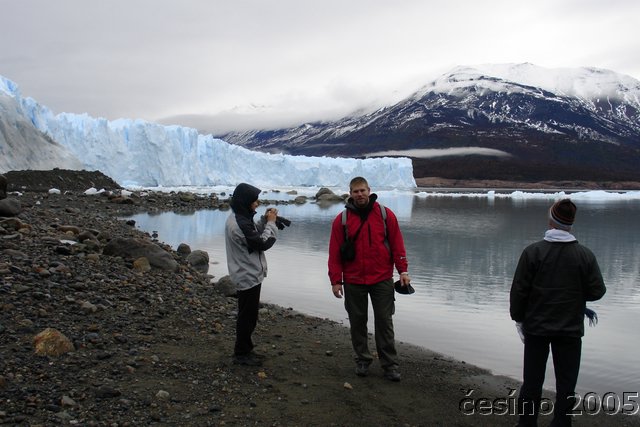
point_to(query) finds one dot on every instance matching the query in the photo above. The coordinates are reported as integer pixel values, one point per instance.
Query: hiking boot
(362, 369)
(257, 355)
(246, 360)
(392, 374)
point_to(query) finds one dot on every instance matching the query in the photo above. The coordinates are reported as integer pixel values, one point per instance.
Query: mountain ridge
(550, 124)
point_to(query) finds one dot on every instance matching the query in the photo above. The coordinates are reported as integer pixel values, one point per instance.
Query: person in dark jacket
(554, 279)
(246, 241)
(378, 247)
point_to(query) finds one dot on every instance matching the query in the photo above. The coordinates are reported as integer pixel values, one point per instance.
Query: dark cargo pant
(357, 305)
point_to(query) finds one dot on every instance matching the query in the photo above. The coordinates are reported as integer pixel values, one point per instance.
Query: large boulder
(326, 195)
(137, 248)
(199, 260)
(183, 250)
(226, 287)
(10, 207)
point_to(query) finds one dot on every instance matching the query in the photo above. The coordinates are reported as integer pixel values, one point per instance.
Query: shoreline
(64, 179)
(573, 185)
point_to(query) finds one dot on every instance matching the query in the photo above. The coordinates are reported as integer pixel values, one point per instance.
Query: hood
(243, 196)
(372, 199)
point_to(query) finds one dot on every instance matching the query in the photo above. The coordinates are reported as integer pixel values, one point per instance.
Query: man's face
(360, 195)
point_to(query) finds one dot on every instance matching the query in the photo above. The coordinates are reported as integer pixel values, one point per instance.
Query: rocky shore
(94, 333)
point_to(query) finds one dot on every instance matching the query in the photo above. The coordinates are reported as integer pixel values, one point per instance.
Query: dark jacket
(374, 261)
(552, 282)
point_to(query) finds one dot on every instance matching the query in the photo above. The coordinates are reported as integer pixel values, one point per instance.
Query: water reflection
(462, 253)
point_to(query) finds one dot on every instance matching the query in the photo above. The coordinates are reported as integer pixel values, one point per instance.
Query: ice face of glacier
(22, 146)
(141, 153)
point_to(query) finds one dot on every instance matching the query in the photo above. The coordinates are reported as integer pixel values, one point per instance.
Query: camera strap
(344, 224)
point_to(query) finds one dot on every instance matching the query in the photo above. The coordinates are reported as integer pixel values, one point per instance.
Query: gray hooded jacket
(247, 240)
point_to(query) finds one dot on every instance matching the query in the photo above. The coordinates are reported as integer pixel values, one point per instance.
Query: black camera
(282, 222)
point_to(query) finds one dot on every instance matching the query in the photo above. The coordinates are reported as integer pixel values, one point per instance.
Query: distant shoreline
(74, 180)
(494, 184)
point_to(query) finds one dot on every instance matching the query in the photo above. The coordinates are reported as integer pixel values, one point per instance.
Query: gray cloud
(165, 61)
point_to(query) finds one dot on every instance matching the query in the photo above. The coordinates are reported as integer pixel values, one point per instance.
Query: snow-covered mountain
(140, 153)
(518, 121)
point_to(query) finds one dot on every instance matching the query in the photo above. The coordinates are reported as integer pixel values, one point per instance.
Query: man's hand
(337, 290)
(271, 214)
(405, 279)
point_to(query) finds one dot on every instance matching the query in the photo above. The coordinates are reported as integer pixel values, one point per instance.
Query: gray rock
(199, 260)
(15, 254)
(106, 392)
(183, 249)
(226, 287)
(87, 307)
(326, 195)
(322, 191)
(187, 197)
(10, 207)
(86, 235)
(136, 248)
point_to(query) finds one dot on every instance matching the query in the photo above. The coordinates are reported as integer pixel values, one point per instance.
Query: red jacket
(373, 262)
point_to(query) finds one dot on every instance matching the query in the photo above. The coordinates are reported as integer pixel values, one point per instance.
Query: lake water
(463, 249)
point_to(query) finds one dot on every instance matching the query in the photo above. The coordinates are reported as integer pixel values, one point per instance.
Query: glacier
(138, 153)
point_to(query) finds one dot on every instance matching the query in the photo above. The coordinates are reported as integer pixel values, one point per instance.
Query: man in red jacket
(378, 246)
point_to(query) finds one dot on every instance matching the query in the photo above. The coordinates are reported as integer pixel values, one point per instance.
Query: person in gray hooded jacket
(246, 241)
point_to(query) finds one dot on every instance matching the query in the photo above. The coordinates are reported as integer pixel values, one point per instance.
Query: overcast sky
(254, 62)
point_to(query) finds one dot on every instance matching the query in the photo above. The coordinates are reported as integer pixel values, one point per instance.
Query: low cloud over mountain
(513, 121)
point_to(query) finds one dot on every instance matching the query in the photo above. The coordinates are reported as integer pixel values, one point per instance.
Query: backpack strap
(383, 211)
(344, 223)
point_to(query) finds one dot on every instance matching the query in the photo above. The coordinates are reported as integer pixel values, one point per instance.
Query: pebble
(163, 395)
